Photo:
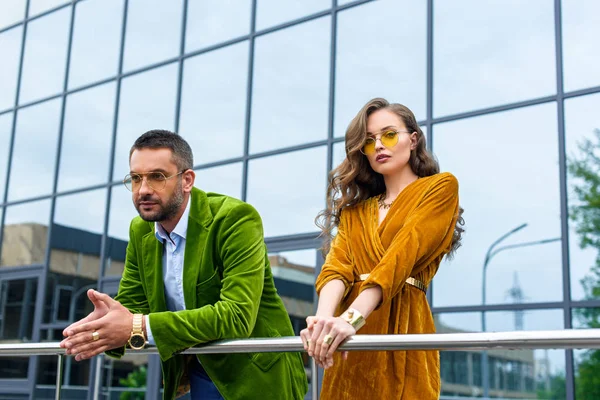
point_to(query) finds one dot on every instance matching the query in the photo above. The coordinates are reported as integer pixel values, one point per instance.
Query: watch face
(137, 341)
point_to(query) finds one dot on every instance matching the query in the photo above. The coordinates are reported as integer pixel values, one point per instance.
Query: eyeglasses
(388, 139)
(156, 180)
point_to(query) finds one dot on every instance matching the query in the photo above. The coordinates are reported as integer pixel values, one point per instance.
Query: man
(196, 270)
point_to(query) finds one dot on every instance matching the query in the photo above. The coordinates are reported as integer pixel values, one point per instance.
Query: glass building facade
(263, 91)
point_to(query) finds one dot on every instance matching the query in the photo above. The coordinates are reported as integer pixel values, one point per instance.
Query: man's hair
(163, 139)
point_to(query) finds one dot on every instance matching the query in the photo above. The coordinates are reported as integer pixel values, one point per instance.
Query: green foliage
(557, 390)
(585, 213)
(135, 379)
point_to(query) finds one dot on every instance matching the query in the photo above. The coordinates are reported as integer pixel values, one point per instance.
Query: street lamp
(488, 256)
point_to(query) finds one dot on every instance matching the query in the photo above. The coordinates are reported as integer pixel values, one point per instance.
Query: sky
(485, 54)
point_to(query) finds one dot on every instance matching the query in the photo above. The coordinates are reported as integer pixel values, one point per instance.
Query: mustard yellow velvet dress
(410, 242)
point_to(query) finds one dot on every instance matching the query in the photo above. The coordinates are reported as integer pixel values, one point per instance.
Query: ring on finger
(95, 336)
(327, 339)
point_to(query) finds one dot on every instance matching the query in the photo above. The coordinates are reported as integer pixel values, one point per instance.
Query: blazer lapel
(196, 237)
(153, 272)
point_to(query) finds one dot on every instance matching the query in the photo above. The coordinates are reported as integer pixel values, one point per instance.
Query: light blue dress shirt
(172, 261)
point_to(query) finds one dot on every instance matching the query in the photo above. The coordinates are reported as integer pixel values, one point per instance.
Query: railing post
(314, 379)
(98, 376)
(59, 374)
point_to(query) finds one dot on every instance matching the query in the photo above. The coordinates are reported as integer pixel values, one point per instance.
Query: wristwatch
(137, 340)
(354, 318)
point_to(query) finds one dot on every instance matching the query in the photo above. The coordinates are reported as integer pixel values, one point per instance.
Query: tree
(135, 379)
(585, 213)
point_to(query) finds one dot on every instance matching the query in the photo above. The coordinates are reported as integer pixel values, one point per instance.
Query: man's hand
(110, 320)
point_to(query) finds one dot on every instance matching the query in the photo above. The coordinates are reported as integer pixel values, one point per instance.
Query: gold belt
(410, 280)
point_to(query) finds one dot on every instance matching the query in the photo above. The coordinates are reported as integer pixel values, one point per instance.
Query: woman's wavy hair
(354, 180)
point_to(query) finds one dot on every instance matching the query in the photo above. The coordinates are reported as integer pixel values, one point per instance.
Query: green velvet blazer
(229, 293)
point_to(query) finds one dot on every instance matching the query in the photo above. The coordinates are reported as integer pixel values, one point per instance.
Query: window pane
(498, 201)
(17, 308)
(121, 212)
(75, 253)
(226, 179)
(87, 137)
(275, 12)
(39, 6)
(11, 12)
(45, 56)
(212, 21)
(25, 234)
(34, 152)
(273, 188)
(581, 28)
(10, 51)
(518, 373)
(291, 86)
(147, 102)
(144, 43)
(582, 124)
(213, 103)
(93, 56)
(6, 121)
(365, 70)
(480, 60)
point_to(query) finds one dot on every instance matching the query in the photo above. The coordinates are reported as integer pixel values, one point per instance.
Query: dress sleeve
(338, 263)
(425, 235)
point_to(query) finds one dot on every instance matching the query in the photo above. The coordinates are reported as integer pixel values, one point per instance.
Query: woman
(396, 217)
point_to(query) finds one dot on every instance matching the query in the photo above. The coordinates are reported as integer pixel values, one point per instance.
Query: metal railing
(557, 339)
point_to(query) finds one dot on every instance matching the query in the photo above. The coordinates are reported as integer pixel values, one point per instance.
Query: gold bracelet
(354, 318)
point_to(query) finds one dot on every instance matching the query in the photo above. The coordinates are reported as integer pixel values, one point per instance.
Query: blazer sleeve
(426, 234)
(243, 253)
(338, 263)
(131, 294)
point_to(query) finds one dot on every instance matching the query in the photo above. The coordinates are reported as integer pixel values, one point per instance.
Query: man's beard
(165, 212)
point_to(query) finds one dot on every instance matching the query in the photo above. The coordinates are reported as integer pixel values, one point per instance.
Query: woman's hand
(322, 337)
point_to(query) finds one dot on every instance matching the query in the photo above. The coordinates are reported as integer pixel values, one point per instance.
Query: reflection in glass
(481, 61)
(17, 308)
(212, 21)
(10, 50)
(278, 187)
(153, 32)
(5, 132)
(518, 373)
(391, 65)
(87, 135)
(582, 124)
(275, 12)
(79, 223)
(225, 179)
(34, 152)
(121, 212)
(96, 38)
(587, 367)
(45, 56)
(147, 102)
(39, 6)
(291, 85)
(25, 233)
(11, 12)
(126, 376)
(520, 185)
(213, 103)
(580, 29)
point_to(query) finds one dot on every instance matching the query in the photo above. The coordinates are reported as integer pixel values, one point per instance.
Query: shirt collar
(180, 229)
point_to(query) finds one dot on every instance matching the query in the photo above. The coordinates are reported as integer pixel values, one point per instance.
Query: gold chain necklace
(382, 203)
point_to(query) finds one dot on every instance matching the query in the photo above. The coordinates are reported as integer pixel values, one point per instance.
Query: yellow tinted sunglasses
(388, 139)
